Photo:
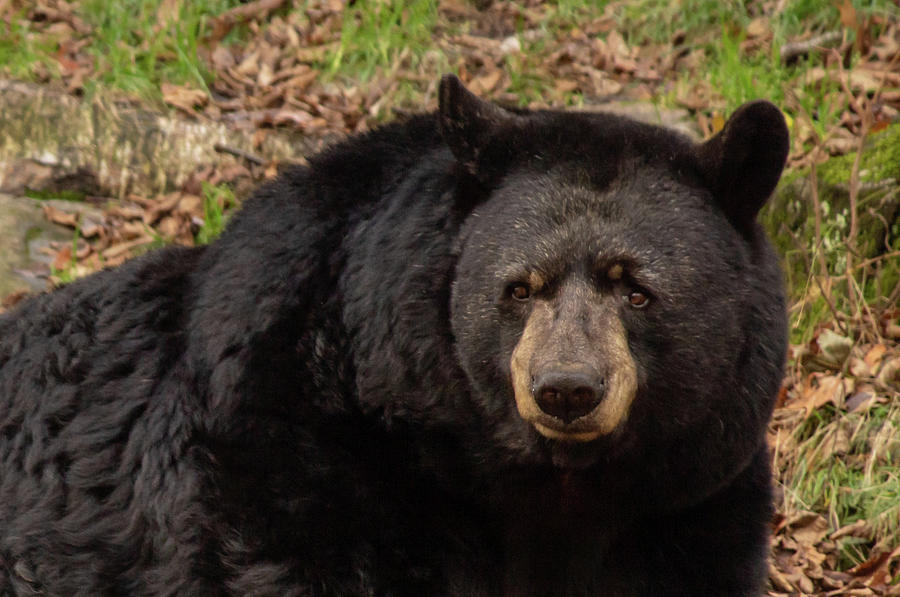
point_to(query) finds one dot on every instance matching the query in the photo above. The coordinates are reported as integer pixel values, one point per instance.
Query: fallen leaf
(860, 528)
(191, 205)
(14, 298)
(859, 401)
(167, 12)
(875, 562)
(184, 97)
(222, 58)
(122, 250)
(890, 373)
(826, 352)
(160, 207)
(758, 27)
(63, 258)
(874, 356)
(718, 122)
(830, 389)
(808, 528)
(485, 84)
(859, 368)
(834, 347)
(169, 227)
(58, 216)
(848, 15)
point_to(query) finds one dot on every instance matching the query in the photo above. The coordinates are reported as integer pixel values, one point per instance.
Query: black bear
(480, 352)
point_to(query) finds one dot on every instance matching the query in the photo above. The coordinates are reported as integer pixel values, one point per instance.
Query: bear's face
(574, 306)
(612, 290)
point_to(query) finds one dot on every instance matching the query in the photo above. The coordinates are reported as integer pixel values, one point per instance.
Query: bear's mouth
(604, 419)
(553, 431)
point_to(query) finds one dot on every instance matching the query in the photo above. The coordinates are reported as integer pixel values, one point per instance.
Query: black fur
(319, 402)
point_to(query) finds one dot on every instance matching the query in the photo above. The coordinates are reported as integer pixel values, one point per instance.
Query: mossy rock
(790, 216)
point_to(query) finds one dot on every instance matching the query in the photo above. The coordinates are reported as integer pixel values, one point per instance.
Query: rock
(25, 239)
(676, 118)
(116, 147)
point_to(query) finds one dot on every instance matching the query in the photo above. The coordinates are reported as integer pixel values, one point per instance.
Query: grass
(139, 44)
(66, 194)
(572, 11)
(719, 27)
(72, 270)
(739, 78)
(383, 35)
(217, 203)
(21, 53)
(847, 468)
(657, 21)
(136, 44)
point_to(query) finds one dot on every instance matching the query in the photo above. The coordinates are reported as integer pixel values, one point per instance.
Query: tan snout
(572, 395)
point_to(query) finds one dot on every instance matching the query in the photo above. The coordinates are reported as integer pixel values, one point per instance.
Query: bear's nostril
(551, 397)
(568, 396)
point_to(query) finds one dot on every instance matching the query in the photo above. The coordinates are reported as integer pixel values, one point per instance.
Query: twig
(241, 13)
(854, 216)
(874, 260)
(895, 295)
(245, 12)
(792, 51)
(818, 241)
(826, 296)
(867, 120)
(864, 306)
(820, 244)
(253, 159)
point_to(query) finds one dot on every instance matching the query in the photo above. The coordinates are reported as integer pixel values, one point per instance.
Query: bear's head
(614, 298)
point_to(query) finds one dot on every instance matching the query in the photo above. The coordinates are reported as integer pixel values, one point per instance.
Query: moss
(881, 161)
(790, 216)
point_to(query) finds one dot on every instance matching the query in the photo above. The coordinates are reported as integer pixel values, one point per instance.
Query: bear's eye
(520, 292)
(638, 299)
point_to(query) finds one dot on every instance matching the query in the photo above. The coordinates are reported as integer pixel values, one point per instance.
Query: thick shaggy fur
(319, 403)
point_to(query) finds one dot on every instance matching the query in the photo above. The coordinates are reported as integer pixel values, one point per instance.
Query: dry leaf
(860, 528)
(890, 373)
(160, 207)
(184, 97)
(874, 356)
(63, 258)
(834, 348)
(167, 12)
(830, 389)
(222, 58)
(860, 401)
(808, 528)
(192, 205)
(718, 122)
(58, 216)
(758, 27)
(485, 84)
(848, 15)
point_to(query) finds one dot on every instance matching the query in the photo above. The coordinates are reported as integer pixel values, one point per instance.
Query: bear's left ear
(743, 162)
(467, 122)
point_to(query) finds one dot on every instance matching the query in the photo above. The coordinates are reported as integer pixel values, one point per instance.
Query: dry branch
(792, 51)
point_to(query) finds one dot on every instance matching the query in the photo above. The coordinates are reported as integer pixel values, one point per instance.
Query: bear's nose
(568, 395)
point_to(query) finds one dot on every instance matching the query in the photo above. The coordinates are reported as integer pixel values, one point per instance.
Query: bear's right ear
(466, 121)
(743, 162)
